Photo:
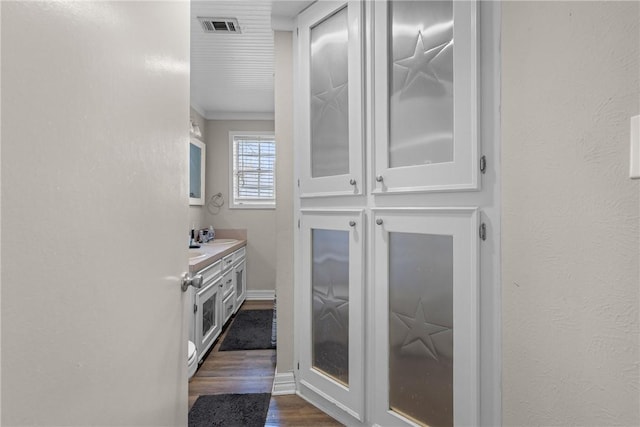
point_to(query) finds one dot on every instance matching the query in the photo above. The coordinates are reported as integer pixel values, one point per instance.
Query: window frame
(256, 203)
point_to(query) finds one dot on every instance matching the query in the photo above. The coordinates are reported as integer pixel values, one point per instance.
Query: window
(253, 170)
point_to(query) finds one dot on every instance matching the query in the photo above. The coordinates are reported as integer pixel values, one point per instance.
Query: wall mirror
(196, 172)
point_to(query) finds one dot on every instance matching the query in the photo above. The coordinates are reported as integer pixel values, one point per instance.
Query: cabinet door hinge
(483, 231)
(298, 183)
(298, 223)
(297, 32)
(195, 308)
(298, 366)
(483, 164)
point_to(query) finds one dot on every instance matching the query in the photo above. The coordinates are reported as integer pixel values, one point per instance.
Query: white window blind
(254, 161)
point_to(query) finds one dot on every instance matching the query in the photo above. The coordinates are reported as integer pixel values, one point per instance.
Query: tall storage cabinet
(396, 260)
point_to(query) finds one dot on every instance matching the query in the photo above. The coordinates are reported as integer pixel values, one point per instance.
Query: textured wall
(260, 223)
(284, 215)
(570, 214)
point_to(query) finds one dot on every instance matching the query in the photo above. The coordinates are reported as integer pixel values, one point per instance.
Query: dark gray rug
(250, 330)
(227, 410)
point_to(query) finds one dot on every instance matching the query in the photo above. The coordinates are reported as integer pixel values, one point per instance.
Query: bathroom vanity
(224, 287)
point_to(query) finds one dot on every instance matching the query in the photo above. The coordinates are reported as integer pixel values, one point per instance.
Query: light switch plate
(634, 170)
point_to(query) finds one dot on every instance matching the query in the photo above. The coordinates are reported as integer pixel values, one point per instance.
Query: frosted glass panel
(329, 97)
(209, 315)
(421, 82)
(239, 274)
(421, 327)
(330, 286)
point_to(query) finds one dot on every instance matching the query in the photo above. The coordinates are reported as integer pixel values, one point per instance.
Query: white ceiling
(232, 74)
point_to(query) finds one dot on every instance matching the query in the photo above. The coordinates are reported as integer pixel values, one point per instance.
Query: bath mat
(250, 330)
(228, 410)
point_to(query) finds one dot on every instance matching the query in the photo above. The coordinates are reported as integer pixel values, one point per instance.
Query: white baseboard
(260, 295)
(284, 383)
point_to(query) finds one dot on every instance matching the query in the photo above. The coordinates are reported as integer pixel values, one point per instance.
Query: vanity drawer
(227, 306)
(227, 283)
(239, 254)
(227, 262)
(211, 272)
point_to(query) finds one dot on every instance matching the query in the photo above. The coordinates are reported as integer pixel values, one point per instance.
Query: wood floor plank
(292, 410)
(252, 371)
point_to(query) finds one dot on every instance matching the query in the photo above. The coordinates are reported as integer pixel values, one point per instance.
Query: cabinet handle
(229, 281)
(352, 181)
(195, 281)
(379, 221)
(379, 178)
(352, 223)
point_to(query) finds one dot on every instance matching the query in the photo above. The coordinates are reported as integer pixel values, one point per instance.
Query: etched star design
(419, 330)
(331, 304)
(420, 62)
(329, 97)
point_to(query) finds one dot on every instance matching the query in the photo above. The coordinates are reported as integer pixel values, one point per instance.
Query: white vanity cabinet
(221, 295)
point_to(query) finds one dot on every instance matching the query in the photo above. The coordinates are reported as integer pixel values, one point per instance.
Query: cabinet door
(330, 70)
(426, 103)
(426, 316)
(241, 284)
(208, 316)
(332, 330)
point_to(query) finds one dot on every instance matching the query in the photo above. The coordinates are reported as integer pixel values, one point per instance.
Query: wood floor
(252, 371)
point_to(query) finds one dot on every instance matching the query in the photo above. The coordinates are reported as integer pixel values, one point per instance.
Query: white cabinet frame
(204, 342)
(240, 267)
(348, 398)
(463, 172)
(462, 224)
(337, 185)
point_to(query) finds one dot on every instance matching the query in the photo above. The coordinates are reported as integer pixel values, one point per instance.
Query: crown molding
(239, 115)
(198, 110)
(282, 23)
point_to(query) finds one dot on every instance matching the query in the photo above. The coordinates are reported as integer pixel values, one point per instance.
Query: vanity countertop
(212, 252)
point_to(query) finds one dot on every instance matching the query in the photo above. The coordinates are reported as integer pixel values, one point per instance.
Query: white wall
(570, 214)
(259, 223)
(283, 46)
(196, 212)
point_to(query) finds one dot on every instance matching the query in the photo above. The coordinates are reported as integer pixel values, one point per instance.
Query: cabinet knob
(352, 223)
(379, 221)
(352, 181)
(379, 178)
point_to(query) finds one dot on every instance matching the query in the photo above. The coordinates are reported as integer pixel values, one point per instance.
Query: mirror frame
(198, 201)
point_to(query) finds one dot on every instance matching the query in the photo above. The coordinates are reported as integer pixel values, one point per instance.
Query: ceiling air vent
(220, 25)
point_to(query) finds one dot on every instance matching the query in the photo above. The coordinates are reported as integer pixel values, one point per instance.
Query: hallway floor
(252, 371)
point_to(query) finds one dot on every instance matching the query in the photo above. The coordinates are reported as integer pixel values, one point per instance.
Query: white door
(95, 115)
(426, 316)
(330, 59)
(332, 329)
(240, 283)
(208, 316)
(426, 101)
